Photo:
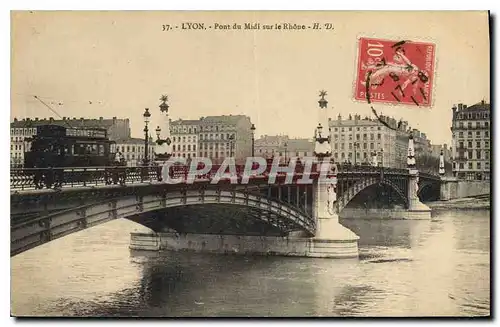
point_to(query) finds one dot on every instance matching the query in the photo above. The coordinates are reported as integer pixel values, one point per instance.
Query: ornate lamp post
(374, 159)
(382, 157)
(231, 140)
(147, 117)
(410, 160)
(441, 163)
(286, 148)
(163, 141)
(253, 139)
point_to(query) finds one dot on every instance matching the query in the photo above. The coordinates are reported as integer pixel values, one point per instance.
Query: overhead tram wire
(51, 109)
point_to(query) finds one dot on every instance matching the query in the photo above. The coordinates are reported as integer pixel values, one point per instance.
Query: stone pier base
(357, 213)
(257, 245)
(144, 241)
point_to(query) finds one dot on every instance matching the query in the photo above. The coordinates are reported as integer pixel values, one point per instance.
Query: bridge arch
(279, 214)
(361, 185)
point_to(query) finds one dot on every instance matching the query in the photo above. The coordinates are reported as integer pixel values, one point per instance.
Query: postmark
(395, 72)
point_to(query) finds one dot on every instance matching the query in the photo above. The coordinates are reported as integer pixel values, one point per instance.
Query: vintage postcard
(250, 164)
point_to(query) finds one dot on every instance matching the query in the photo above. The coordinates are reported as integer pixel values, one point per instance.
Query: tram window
(100, 149)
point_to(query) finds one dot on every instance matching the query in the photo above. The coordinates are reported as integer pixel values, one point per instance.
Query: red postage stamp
(399, 72)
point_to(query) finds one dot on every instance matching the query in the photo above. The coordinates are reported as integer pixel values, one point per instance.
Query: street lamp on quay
(382, 157)
(253, 139)
(286, 145)
(147, 117)
(356, 145)
(231, 140)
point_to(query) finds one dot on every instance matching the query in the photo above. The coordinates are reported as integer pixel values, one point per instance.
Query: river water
(406, 268)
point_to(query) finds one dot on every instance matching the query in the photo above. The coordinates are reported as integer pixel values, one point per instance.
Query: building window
(486, 124)
(478, 144)
(478, 134)
(460, 134)
(189, 147)
(342, 146)
(469, 144)
(372, 146)
(336, 129)
(469, 125)
(173, 147)
(336, 155)
(350, 146)
(336, 146)
(128, 149)
(486, 134)
(478, 165)
(372, 136)
(357, 137)
(365, 145)
(379, 136)
(454, 165)
(470, 165)
(469, 134)
(461, 125)
(194, 148)
(461, 165)
(343, 155)
(469, 154)
(478, 154)
(487, 155)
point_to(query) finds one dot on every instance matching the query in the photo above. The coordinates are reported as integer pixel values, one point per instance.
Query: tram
(59, 146)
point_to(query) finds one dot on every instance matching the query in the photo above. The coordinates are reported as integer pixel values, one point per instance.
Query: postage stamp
(395, 71)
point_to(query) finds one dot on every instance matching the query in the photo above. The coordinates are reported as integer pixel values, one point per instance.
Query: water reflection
(407, 268)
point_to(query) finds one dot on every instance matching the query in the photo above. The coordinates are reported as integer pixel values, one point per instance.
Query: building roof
(185, 122)
(224, 119)
(66, 122)
(480, 106)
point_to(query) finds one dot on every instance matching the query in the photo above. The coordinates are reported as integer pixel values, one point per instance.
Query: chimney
(15, 118)
(454, 109)
(51, 119)
(482, 101)
(100, 118)
(36, 118)
(460, 106)
(465, 106)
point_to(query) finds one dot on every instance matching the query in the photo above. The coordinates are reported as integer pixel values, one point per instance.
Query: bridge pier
(416, 209)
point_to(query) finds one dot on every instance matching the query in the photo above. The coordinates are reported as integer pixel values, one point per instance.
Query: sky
(118, 63)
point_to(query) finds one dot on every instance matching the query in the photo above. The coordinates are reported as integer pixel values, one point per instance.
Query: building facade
(214, 137)
(272, 146)
(26, 128)
(355, 139)
(471, 141)
(133, 150)
(184, 135)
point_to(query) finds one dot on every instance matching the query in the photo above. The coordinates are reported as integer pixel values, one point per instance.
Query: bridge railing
(39, 178)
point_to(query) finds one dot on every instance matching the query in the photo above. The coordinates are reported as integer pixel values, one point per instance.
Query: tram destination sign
(80, 132)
